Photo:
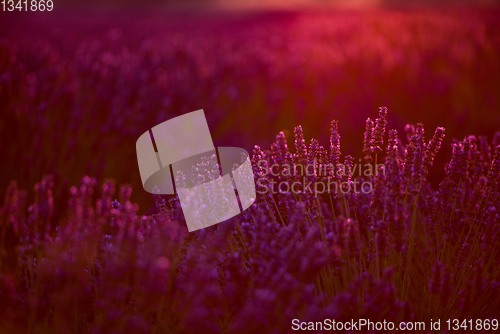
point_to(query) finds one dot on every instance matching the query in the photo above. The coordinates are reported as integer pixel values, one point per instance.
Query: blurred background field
(79, 85)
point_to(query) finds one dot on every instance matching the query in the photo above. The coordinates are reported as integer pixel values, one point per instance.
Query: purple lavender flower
(378, 132)
(494, 171)
(434, 145)
(368, 148)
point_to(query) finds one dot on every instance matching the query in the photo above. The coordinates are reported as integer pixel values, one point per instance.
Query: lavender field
(80, 252)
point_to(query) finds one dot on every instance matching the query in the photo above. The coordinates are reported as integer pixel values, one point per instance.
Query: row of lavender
(74, 100)
(403, 252)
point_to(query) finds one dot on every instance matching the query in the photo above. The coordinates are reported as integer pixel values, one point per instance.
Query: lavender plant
(402, 252)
